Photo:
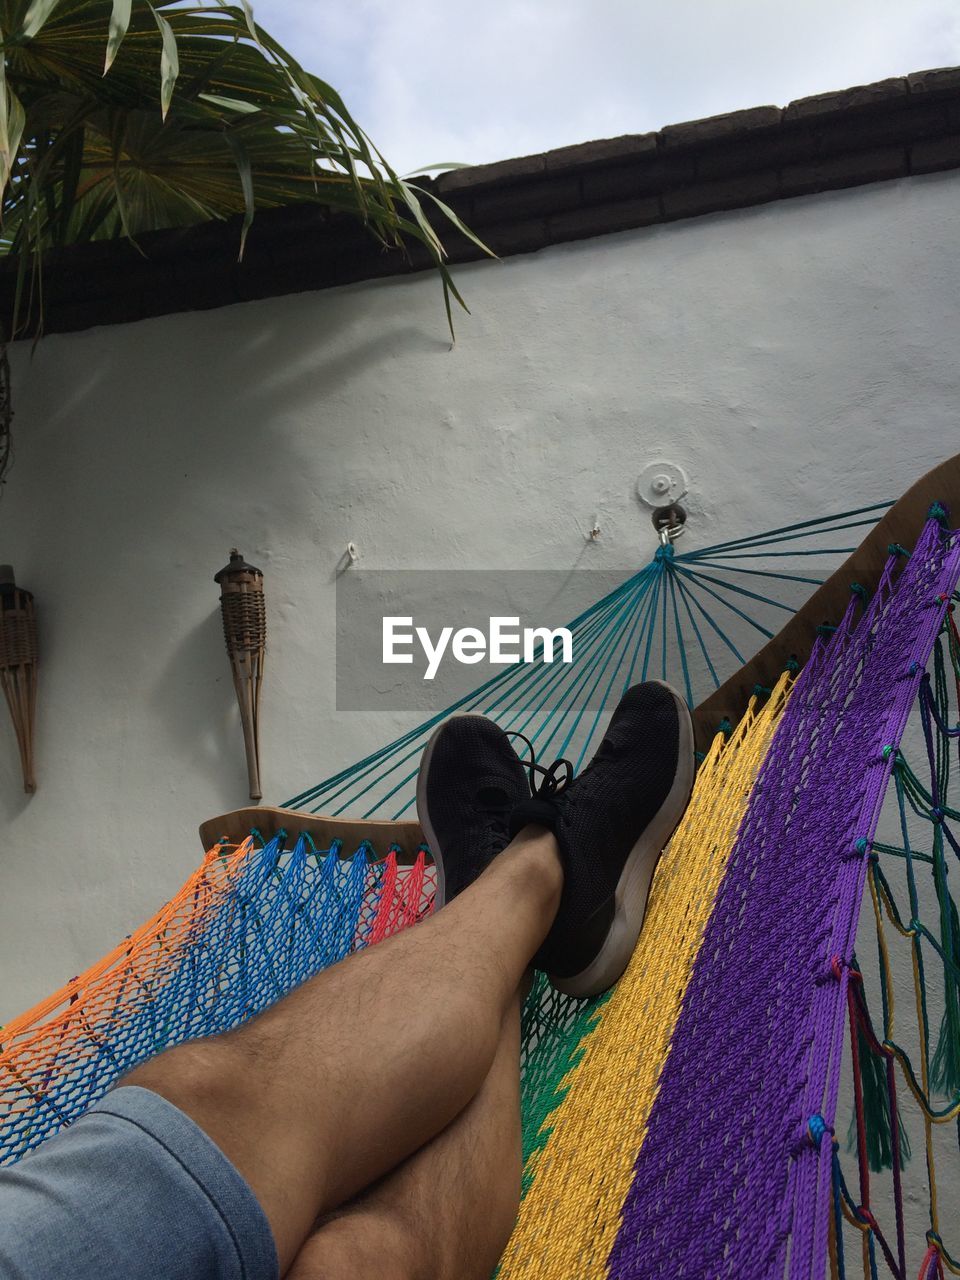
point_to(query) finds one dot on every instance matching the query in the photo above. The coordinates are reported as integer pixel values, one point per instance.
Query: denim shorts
(133, 1190)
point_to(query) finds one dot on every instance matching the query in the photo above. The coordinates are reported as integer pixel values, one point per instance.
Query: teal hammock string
(690, 618)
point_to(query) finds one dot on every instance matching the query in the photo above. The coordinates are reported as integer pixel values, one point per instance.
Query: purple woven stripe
(728, 1175)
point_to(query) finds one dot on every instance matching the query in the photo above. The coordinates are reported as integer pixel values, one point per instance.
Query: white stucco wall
(796, 358)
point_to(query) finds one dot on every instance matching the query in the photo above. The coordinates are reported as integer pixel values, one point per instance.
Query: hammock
(685, 1123)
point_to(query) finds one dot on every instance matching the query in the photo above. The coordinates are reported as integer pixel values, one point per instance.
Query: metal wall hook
(349, 557)
(669, 523)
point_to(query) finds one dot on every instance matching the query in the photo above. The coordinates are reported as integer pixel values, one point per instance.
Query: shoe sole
(423, 814)
(633, 887)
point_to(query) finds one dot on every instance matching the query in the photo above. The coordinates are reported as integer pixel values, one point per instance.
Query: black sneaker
(470, 781)
(611, 823)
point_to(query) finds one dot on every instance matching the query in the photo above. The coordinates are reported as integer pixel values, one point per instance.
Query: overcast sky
(469, 81)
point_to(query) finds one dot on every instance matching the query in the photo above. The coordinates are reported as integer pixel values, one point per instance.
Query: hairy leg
(322, 1094)
(447, 1212)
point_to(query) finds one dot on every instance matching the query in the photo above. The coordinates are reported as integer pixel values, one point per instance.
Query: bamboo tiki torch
(245, 631)
(18, 666)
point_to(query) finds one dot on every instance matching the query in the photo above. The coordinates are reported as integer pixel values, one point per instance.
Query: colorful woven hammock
(686, 1123)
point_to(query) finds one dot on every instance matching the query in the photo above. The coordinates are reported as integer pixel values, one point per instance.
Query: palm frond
(119, 117)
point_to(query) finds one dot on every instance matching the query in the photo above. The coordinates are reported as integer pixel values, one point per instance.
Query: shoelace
(498, 825)
(554, 779)
(493, 837)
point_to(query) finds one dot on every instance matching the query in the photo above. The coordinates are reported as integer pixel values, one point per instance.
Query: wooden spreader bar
(234, 827)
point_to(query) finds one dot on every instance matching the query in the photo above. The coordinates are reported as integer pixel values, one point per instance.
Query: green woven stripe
(554, 1028)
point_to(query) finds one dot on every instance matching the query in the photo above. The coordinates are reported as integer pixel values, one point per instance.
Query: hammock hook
(669, 523)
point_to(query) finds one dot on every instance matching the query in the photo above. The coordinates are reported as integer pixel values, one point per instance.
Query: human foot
(470, 781)
(611, 824)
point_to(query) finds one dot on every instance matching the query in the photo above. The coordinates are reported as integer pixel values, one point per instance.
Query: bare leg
(447, 1212)
(337, 1084)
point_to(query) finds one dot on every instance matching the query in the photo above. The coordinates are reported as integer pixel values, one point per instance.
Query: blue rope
(785, 532)
(628, 680)
(575, 688)
(696, 631)
(646, 653)
(761, 573)
(766, 555)
(558, 676)
(713, 623)
(740, 591)
(604, 701)
(688, 687)
(698, 579)
(663, 624)
(610, 651)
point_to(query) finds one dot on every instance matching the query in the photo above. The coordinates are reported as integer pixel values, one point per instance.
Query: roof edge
(869, 133)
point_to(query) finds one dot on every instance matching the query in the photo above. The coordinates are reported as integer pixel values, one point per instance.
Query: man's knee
(362, 1246)
(199, 1074)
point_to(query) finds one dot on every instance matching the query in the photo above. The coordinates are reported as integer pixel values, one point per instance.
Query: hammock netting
(686, 1123)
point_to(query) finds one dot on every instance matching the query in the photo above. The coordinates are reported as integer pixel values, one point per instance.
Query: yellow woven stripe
(570, 1215)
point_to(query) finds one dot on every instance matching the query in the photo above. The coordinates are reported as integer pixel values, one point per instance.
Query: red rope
(859, 1017)
(858, 1101)
(897, 1179)
(927, 1271)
